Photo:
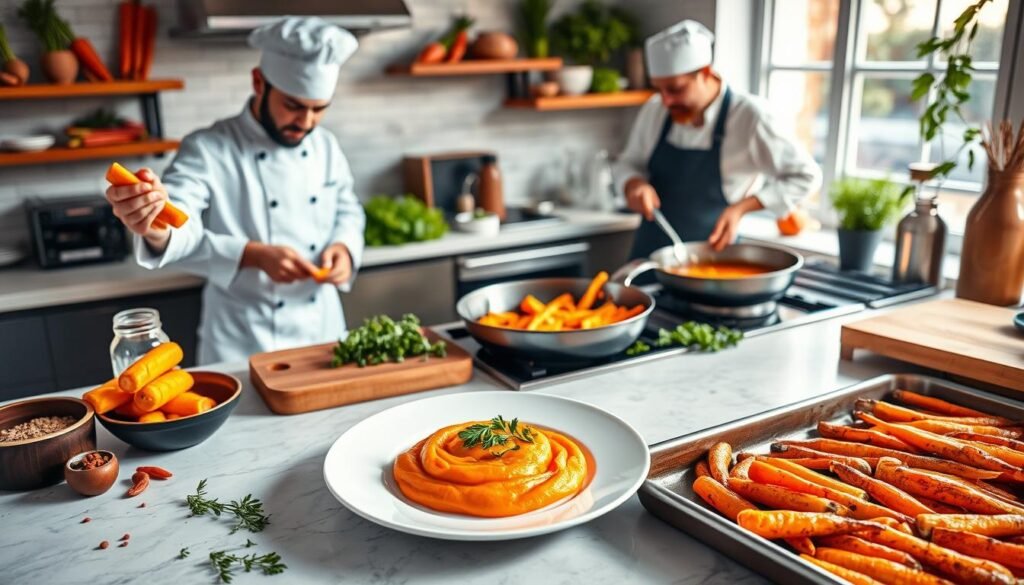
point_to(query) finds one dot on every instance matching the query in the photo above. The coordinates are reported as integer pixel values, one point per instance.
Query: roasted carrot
(988, 525)
(860, 546)
(188, 403)
(126, 26)
(149, 367)
(720, 497)
(921, 461)
(138, 39)
(866, 436)
(940, 507)
(719, 461)
(881, 569)
(822, 480)
(965, 568)
(935, 404)
(895, 413)
(842, 572)
(531, 305)
(942, 427)
(888, 495)
(983, 547)
(119, 176)
(149, 23)
(786, 450)
(1011, 456)
(903, 527)
(781, 498)
(595, 286)
(106, 397)
(155, 416)
(162, 390)
(802, 545)
(859, 508)
(740, 470)
(701, 469)
(773, 524)
(942, 489)
(991, 440)
(979, 484)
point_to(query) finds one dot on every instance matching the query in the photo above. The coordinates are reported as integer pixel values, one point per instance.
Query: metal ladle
(678, 247)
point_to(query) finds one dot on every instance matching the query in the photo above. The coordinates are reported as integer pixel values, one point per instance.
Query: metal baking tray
(667, 492)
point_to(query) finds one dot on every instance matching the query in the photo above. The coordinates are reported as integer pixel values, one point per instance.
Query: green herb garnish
(248, 511)
(638, 348)
(381, 339)
(225, 564)
(497, 433)
(702, 335)
(183, 553)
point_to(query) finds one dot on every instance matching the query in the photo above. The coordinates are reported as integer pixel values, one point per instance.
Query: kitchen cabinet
(24, 358)
(426, 289)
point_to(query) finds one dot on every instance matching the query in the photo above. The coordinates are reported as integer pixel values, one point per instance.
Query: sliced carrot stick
(983, 547)
(822, 480)
(157, 362)
(866, 436)
(595, 286)
(860, 546)
(531, 305)
(890, 496)
(965, 568)
(786, 450)
(895, 413)
(842, 572)
(701, 468)
(781, 498)
(942, 489)
(773, 524)
(720, 497)
(106, 397)
(935, 404)
(988, 525)
(119, 176)
(883, 570)
(719, 461)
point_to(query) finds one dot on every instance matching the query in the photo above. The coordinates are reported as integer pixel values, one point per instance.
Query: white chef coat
(758, 157)
(237, 185)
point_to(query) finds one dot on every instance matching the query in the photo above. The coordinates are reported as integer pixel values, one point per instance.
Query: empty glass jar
(136, 331)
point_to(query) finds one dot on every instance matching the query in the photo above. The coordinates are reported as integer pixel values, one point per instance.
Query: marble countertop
(28, 287)
(279, 459)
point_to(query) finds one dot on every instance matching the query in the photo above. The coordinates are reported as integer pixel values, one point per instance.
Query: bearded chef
(704, 154)
(275, 226)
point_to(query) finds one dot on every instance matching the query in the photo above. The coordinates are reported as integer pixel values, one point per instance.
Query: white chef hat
(681, 48)
(301, 56)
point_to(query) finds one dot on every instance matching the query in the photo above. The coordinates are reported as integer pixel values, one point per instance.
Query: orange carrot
(531, 305)
(106, 397)
(119, 176)
(701, 469)
(89, 60)
(719, 461)
(774, 524)
(721, 498)
(988, 525)
(126, 13)
(138, 39)
(160, 391)
(942, 489)
(883, 570)
(942, 427)
(781, 498)
(802, 545)
(822, 480)
(895, 413)
(129, 410)
(842, 572)
(991, 440)
(740, 469)
(188, 403)
(149, 367)
(935, 404)
(595, 286)
(866, 436)
(149, 23)
(964, 568)
(860, 546)
(921, 461)
(155, 416)
(983, 547)
(786, 450)
(888, 495)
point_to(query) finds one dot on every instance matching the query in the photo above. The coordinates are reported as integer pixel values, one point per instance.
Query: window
(841, 71)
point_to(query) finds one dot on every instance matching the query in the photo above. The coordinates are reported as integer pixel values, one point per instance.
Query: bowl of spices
(91, 473)
(38, 436)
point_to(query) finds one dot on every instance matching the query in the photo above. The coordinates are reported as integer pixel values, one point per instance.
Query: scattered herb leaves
(496, 433)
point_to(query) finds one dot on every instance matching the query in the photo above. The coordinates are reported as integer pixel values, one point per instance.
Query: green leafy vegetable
(52, 31)
(497, 433)
(702, 335)
(381, 339)
(606, 80)
(248, 512)
(592, 34)
(534, 16)
(183, 553)
(224, 564)
(638, 347)
(100, 118)
(392, 221)
(868, 204)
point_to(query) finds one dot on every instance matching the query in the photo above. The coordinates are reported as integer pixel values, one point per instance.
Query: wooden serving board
(964, 338)
(302, 379)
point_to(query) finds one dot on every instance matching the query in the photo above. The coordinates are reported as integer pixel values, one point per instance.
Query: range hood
(233, 19)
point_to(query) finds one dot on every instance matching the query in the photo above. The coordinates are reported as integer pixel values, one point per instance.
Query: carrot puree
(449, 473)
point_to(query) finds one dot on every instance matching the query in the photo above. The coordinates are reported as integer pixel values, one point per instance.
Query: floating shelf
(621, 99)
(64, 154)
(476, 67)
(100, 88)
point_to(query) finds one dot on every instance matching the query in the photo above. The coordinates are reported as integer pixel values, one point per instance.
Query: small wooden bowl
(39, 462)
(95, 481)
(545, 89)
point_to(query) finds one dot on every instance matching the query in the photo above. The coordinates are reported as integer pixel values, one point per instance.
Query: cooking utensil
(33, 463)
(575, 345)
(668, 492)
(678, 247)
(358, 466)
(720, 292)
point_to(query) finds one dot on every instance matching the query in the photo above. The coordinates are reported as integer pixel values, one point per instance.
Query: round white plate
(358, 466)
(28, 143)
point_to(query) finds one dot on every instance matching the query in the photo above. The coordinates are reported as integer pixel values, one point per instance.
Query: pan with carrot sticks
(556, 319)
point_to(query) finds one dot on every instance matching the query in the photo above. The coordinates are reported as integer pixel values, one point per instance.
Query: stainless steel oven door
(480, 270)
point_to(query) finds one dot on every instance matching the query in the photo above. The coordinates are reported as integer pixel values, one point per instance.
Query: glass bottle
(136, 331)
(920, 235)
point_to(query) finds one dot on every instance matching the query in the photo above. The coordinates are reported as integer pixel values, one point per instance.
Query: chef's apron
(689, 184)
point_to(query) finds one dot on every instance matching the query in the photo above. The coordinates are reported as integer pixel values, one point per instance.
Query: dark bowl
(39, 462)
(95, 481)
(184, 432)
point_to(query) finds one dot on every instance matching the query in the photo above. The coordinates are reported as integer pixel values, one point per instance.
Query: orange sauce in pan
(720, 270)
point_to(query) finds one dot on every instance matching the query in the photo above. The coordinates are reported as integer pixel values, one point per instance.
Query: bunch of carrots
(451, 48)
(137, 39)
(151, 389)
(925, 492)
(564, 313)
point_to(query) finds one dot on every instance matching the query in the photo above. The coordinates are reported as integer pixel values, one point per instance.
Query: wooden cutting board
(964, 338)
(302, 379)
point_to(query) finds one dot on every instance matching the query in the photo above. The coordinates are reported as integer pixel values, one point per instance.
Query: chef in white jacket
(703, 153)
(270, 200)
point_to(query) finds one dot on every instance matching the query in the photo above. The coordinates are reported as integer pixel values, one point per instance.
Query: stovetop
(820, 291)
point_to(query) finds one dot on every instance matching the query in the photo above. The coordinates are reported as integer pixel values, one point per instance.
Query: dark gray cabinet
(25, 360)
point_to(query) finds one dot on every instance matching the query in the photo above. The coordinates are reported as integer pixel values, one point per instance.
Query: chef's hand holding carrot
(336, 265)
(138, 205)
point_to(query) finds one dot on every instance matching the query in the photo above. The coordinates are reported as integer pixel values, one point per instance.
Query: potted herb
(58, 62)
(534, 15)
(589, 38)
(864, 208)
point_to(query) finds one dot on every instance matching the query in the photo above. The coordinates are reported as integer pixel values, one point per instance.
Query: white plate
(358, 466)
(28, 143)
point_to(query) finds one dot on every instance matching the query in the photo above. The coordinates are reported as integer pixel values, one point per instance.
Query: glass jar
(136, 331)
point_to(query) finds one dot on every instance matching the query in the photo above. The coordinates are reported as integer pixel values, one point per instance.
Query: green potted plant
(59, 64)
(589, 38)
(534, 16)
(864, 207)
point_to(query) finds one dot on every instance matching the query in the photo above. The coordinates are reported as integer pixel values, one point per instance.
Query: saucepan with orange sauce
(740, 275)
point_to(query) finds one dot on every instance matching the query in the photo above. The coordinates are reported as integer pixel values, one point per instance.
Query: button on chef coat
(759, 156)
(237, 185)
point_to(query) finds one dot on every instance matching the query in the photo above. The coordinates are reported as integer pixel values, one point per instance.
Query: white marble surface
(28, 287)
(279, 460)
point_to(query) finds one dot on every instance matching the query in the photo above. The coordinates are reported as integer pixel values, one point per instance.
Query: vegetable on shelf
(381, 339)
(13, 71)
(451, 48)
(56, 35)
(392, 221)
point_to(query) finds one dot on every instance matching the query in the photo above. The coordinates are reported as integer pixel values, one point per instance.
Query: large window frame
(846, 72)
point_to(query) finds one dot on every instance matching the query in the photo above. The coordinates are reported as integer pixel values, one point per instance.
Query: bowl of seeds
(38, 436)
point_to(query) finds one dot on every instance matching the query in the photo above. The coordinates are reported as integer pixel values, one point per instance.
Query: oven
(555, 260)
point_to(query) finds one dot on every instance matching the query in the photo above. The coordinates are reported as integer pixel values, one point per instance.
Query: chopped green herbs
(381, 339)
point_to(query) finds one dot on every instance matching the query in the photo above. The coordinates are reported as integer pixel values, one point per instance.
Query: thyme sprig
(225, 564)
(497, 433)
(248, 512)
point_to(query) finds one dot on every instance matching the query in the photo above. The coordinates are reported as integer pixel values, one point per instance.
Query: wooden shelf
(63, 154)
(476, 67)
(101, 88)
(621, 99)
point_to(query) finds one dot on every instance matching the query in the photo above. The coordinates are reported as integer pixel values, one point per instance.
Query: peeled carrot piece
(774, 524)
(935, 404)
(155, 416)
(588, 298)
(822, 480)
(866, 436)
(162, 390)
(842, 572)
(887, 495)
(188, 403)
(719, 462)
(965, 568)
(983, 547)
(863, 451)
(119, 176)
(883, 570)
(782, 498)
(531, 305)
(720, 497)
(949, 491)
(149, 367)
(860, 546)
(989, 525)
(106, 397)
